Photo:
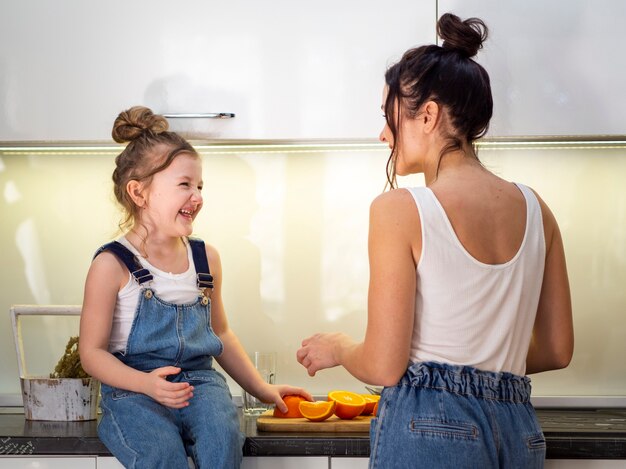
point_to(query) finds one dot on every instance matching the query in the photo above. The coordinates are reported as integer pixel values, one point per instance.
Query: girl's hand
(273, 394)
(321, 351)
(174, 395)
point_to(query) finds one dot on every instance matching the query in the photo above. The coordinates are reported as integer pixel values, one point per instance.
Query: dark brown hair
(447, 75)
(151, 148)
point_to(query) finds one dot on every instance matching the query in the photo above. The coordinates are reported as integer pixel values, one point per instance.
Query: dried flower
(69, 364)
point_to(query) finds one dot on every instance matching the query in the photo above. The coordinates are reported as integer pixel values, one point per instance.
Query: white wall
(291, 228)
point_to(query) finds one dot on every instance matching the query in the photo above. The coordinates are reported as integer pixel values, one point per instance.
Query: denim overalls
(139, 431)
(442, 416)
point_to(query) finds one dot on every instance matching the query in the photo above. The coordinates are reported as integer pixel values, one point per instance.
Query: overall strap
(131, 262)
(205, 279)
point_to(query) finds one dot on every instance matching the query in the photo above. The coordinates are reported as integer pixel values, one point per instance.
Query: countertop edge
(570, 434)
(298, 445)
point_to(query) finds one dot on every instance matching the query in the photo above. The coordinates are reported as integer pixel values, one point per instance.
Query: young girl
(153, 317)
(468, 284)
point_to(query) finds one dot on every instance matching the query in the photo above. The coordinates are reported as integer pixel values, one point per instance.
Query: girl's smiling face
(174, 197)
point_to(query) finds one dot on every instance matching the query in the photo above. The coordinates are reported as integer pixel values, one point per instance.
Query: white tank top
(172, 288)
(468, 312)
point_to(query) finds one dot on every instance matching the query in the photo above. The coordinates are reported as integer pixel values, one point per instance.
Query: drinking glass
(265, 363)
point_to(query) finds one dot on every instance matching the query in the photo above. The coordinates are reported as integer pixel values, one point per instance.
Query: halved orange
(348, 404)
(318, 410)
(293, 407)
(370, 401)
(375, 410)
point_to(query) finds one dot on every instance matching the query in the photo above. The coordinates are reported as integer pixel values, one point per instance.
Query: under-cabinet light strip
(280, 148)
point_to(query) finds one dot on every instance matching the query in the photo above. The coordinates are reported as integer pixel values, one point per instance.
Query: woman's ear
(135, 190)
(430, 115)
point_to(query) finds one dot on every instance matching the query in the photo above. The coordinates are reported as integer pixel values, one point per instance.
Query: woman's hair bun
(135, 122)
(466, 37)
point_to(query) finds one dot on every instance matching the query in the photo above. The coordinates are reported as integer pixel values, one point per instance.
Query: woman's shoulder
(394, 203)
(549, 221)
(395, 221)
(394, 198)
(395, 208)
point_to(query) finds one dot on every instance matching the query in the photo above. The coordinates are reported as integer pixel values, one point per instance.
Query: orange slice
(348, 404)
(375, 410)
(293, 407)
(370, 402)
(318, 410)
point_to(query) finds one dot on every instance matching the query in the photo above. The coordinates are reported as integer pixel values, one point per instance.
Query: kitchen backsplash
(291, 223)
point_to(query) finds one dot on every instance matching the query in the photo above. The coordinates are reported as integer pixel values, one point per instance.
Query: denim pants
(457, 417)
(142, 433)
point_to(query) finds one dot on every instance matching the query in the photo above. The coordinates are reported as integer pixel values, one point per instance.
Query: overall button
(205, 300)
(148, 294)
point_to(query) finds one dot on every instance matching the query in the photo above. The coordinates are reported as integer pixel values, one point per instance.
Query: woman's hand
(174, 395)
(322, 351)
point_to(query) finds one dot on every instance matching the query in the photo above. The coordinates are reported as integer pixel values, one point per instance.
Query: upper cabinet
(286, 69)
(557, 67)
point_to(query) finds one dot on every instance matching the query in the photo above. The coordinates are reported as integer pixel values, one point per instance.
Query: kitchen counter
(570, 434)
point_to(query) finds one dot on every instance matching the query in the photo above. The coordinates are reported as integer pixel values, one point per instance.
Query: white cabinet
(108, 462)
(362, 463)
(93, 462)
(284, 462)
(349, 463)
(288, 70)
(28, 462)
(556, 67)
(585, 464)
(278, 462)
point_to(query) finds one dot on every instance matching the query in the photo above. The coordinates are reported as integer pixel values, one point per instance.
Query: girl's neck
(166, 253)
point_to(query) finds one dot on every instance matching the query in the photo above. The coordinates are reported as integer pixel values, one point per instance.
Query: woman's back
(487, 213)
(479, 272)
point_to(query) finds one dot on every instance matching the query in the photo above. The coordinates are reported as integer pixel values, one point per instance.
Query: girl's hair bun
(465, 37)
(135, 122)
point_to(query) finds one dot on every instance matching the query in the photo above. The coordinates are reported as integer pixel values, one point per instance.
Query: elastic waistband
(468, 381)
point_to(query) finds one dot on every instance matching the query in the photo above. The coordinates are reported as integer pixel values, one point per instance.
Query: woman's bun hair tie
(137, 122)
(465, 37)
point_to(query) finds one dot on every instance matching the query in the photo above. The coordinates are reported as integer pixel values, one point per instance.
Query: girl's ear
(135, 190)
(431, 115)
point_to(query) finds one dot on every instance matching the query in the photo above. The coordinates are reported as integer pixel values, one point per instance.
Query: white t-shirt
(468, 312)
(171, 288)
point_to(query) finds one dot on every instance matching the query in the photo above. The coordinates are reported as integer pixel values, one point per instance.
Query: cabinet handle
(200, 115)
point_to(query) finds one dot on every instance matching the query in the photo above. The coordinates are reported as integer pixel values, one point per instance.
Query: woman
(468, 284)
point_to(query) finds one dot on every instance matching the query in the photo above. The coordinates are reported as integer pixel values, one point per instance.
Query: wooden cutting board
(267, 423)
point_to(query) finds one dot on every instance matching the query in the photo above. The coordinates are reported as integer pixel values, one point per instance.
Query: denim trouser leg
(212, 433)
(141, 433)
(442, 416)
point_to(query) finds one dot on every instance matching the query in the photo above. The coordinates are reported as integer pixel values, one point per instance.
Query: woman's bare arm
(552, 342)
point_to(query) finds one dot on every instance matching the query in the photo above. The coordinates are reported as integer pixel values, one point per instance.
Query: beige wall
(291, 227)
